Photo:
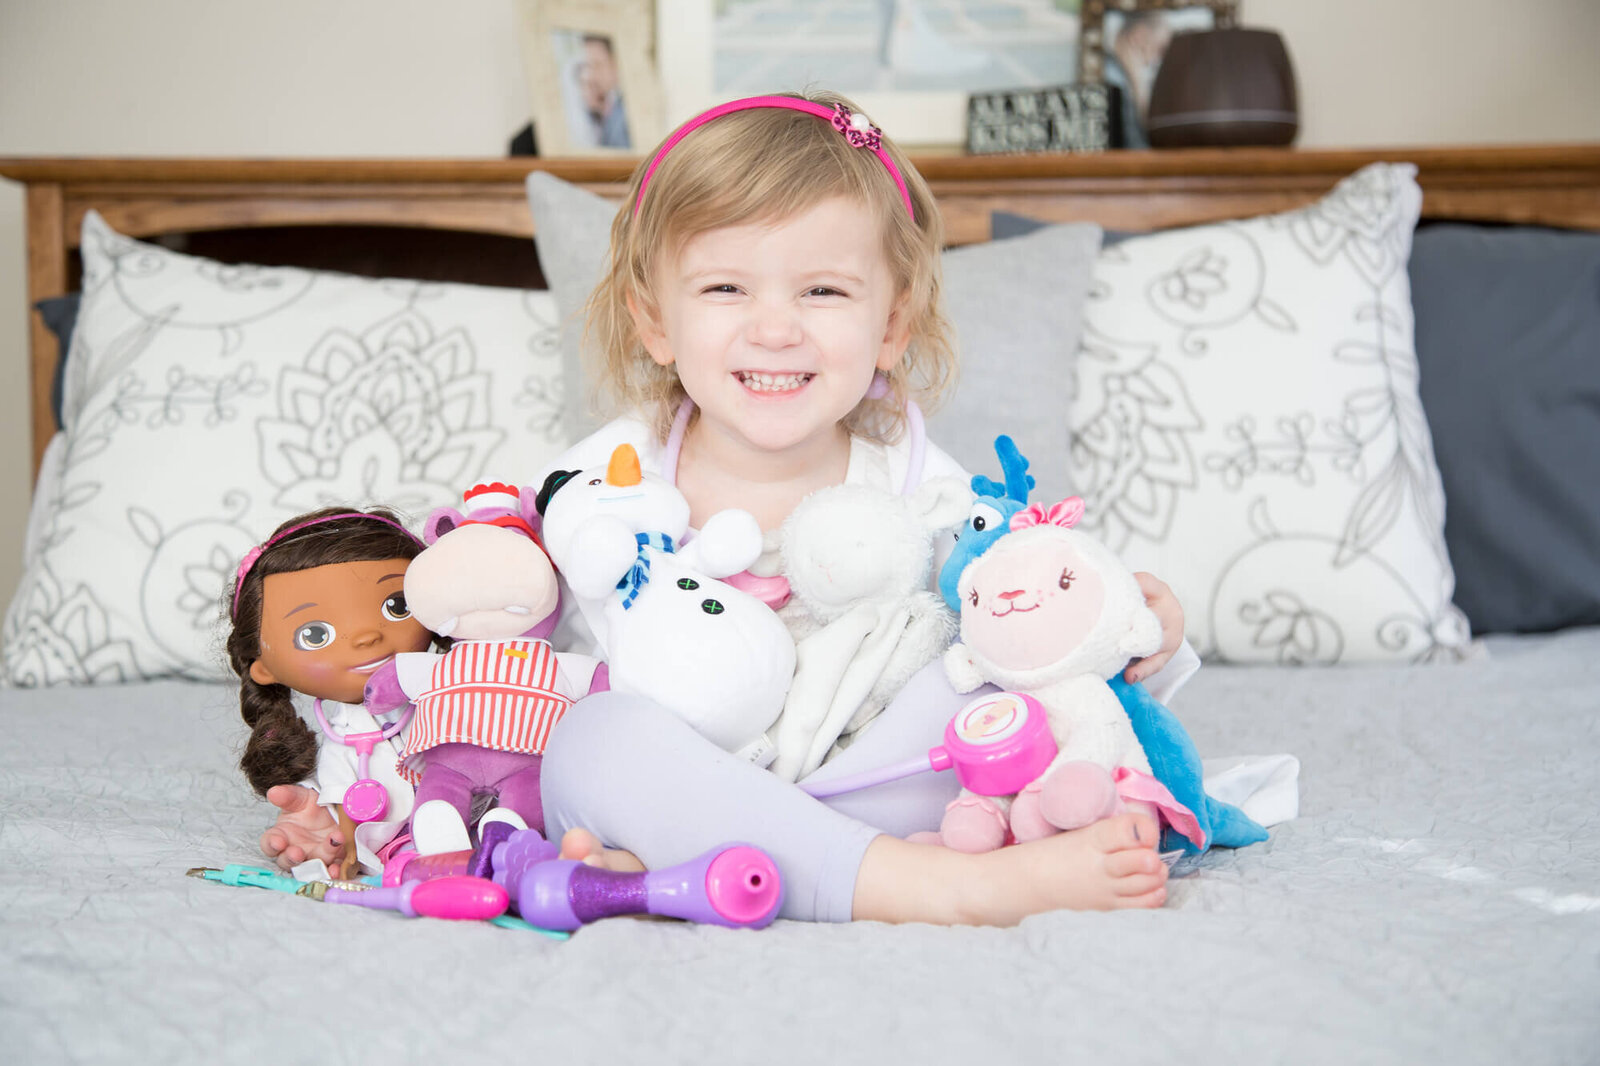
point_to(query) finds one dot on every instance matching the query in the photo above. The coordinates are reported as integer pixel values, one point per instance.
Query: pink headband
(855, 127)
(254, 554)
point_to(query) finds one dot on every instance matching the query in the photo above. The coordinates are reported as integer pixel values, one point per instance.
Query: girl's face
(325, 630)
(776, 328)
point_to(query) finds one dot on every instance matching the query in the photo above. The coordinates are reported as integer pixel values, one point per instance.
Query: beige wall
(419, 77)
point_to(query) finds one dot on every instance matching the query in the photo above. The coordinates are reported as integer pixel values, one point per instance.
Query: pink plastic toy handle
(454, 898)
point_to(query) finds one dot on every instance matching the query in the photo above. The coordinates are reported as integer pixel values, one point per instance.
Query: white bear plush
(670, 629)
(857, 560)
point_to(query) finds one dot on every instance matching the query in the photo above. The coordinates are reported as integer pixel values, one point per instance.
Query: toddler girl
(771, 304)
(316, 609)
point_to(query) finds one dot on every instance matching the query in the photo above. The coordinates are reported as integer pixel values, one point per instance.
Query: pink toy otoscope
(734, 885)
(997, 744)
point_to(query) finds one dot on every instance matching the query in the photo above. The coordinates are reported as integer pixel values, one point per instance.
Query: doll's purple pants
(640, 778)
(454, 772)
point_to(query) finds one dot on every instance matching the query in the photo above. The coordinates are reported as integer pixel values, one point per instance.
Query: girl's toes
(1154, 898)
(1135, 862)
(1125, 832)
(579, 844)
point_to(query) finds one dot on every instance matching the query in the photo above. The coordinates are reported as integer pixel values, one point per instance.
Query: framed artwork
(591, 73)
(909, 64)
(1121, 44)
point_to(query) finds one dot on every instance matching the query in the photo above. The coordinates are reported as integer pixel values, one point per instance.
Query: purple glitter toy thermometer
(734, 885)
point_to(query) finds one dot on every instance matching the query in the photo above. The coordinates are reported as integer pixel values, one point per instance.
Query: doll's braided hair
(281, 749)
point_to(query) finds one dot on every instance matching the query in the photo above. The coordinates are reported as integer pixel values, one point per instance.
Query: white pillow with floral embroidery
(1246, 425)
(206, 403)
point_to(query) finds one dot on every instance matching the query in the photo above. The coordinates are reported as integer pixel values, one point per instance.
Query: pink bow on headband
(1065, 514)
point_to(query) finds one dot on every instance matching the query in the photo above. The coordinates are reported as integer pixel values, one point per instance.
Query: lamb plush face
(1025, 603)
(1048, 602)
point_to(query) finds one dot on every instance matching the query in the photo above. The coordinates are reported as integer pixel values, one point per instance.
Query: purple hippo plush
(485, 708)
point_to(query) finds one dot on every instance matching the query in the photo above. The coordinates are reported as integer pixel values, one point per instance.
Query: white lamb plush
(857, 560)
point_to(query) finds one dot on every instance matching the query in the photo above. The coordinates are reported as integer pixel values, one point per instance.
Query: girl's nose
(366, 637)
(773, 326)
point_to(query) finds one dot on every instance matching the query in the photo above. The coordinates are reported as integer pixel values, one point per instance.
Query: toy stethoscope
(998, 744)
(366, 800)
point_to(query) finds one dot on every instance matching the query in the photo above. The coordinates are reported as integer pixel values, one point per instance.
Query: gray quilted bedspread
(1438, 900)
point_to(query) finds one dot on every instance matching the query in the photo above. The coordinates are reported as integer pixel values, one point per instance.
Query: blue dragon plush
(1174, 760)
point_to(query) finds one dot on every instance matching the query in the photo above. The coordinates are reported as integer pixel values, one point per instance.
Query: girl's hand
(304, 830)
(1159, 598)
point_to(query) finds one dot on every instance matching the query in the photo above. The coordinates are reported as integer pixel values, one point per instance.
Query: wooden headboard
(467, 220)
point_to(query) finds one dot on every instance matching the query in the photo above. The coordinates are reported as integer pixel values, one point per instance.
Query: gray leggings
(639, 778)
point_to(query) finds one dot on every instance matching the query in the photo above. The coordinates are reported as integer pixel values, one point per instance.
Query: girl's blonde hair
(754, 166)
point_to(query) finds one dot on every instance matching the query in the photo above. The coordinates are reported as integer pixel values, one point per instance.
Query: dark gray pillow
(1004, 224)
(60, 315)
(1508, 346)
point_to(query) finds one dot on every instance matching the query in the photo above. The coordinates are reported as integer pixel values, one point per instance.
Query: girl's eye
(314, 636)
(395, 609)
(823, 290)
(1066, 579)
(720, 289)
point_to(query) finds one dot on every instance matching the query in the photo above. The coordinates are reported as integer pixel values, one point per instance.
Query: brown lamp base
(1224, 88)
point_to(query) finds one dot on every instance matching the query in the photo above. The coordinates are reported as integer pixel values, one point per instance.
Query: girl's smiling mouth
(756, 381)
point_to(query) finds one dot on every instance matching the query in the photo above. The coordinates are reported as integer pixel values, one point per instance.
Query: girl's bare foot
(585, 847)
(1109, 865)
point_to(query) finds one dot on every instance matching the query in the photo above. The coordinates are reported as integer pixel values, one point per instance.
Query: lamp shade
(1224, 87)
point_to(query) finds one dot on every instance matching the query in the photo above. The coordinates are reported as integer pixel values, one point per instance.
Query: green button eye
(688, 584)
(711, 607)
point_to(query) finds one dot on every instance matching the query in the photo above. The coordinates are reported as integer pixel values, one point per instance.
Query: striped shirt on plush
(497, 694)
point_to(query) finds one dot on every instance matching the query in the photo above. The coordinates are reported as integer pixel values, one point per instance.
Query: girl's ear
(896, 337)
(649, 330)
(260, 674)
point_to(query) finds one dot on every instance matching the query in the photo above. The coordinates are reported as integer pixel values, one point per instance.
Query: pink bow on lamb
(1065, 514)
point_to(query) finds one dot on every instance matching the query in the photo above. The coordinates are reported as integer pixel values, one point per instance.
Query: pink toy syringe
(997, 744)
(458, 897)
(732, 885)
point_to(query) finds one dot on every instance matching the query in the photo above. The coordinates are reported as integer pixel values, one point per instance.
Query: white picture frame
(935, 118)
(592, 81)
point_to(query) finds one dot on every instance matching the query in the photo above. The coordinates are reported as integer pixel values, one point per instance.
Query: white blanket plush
(1436, 900)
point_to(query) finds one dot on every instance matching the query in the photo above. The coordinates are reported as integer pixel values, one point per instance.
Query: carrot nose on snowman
(624, 467)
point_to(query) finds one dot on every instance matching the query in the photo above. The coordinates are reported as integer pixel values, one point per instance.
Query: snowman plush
(668, 626)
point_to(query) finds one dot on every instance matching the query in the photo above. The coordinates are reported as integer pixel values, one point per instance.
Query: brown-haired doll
(316, 609)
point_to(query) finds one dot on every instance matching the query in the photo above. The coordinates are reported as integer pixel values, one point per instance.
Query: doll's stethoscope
(998, 744)
(366, 800)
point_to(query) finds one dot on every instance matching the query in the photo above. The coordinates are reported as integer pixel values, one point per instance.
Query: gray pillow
(1015, 306)
(572, 230)
(1508, 348)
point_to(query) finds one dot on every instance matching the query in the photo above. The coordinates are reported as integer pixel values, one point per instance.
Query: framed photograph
(591, 76)
(910, 64)
(1122, 42)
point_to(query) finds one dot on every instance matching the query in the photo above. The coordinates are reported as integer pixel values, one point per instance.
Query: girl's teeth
(773, 382)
